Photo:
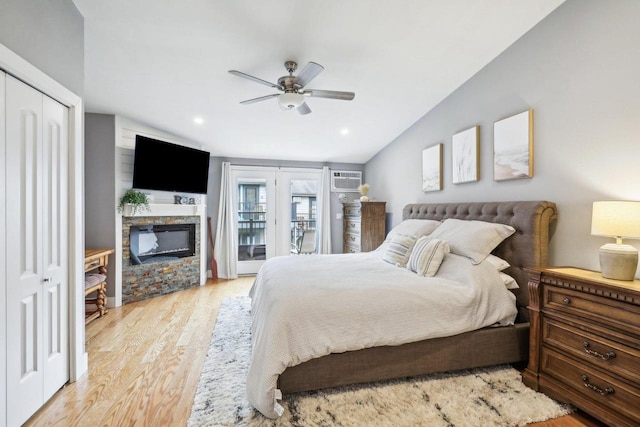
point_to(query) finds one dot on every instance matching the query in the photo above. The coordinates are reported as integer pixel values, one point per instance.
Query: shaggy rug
(484, 397)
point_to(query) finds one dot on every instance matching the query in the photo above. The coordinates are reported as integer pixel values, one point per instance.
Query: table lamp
(619, 219)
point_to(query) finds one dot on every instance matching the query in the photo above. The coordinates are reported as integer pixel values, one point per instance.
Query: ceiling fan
(293, 87)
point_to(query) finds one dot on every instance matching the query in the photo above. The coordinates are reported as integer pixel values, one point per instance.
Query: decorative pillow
(398, 249)
(414, 227)
(497, 262)
(509, 281)
(427, 255)
(472, 239)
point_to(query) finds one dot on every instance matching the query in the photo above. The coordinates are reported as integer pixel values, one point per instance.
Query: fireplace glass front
(161, 242)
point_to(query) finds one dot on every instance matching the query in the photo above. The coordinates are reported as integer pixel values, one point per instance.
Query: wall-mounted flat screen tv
(160, 165)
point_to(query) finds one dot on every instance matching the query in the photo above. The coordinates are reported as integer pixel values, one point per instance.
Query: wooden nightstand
(584, 346)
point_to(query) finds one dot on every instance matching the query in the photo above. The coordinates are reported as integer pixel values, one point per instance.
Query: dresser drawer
(352, 238)
(352, 226)
(593, 349)
(593, 384)
(351, 248)
(352, 211)
(619, 315)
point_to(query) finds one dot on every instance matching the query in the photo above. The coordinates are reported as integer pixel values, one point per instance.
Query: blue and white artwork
(513, 147)
(464, 155)
(431, 168)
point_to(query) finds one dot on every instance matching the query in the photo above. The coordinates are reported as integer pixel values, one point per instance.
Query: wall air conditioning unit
(347, 181)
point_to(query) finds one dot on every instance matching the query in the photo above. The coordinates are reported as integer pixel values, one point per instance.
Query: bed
(343, 364)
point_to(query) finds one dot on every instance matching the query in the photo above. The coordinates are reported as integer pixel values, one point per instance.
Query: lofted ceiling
(164, 63)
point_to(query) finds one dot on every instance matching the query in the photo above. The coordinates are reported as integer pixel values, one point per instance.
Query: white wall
(578, 69)
(48, 34)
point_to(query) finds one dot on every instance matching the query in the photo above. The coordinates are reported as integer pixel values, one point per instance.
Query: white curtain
(225, 250)
(323, 237)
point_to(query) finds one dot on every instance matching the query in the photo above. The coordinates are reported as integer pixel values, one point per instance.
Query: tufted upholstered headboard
(527, 247)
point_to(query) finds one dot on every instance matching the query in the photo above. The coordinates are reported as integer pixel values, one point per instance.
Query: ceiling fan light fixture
(290, 100)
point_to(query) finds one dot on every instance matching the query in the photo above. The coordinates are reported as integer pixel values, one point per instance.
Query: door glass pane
(304, 213)
(252, 215)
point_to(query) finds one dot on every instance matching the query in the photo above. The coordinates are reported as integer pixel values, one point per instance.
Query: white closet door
(54, 246)
(24, 238)
(3, 268)
(36, 261)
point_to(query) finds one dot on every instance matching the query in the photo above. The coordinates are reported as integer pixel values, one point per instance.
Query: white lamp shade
(616, 219)
(291, 100)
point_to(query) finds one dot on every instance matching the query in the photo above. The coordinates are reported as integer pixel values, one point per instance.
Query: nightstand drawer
(592, 349)
(593, 384)
(618, 314)
(351, 226)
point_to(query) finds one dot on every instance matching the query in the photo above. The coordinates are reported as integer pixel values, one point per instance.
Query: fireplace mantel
(167, 209)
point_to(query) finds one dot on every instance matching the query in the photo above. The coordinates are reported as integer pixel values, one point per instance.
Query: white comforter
(305, 307)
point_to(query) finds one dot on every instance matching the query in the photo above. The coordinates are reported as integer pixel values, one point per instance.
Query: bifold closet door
(36, 249)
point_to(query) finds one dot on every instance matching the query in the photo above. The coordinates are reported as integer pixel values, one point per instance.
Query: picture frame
(513, 147)
(465, 149)
(432, 168)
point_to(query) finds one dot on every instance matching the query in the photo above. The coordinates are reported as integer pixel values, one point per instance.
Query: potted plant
(135, 200)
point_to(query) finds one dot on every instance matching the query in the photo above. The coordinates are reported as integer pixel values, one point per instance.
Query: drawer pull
(601, 392)
(609, 355)
(353, 239)
(566, 301)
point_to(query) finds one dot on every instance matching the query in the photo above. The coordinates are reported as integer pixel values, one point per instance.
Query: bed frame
(527, 247)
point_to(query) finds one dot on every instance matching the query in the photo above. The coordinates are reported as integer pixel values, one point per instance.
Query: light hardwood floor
(145, 361)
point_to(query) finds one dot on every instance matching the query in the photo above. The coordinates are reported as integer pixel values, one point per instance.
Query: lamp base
(618, 262)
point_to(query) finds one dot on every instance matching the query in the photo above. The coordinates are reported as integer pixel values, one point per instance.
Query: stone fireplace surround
(140, 282)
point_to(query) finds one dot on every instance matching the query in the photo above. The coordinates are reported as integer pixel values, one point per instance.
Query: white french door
(36, 236)
(275, 208)
(254, 199)
(298, 211)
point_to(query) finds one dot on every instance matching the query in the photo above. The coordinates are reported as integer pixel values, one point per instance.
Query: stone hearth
(140, 282)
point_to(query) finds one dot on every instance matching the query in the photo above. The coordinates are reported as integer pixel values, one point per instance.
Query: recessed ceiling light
(344, 131)
(198, 120)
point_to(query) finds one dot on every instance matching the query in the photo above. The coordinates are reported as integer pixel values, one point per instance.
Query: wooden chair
(95, 283)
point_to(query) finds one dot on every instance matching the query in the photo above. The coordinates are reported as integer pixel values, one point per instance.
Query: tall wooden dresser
(364, 226)
(584, 344)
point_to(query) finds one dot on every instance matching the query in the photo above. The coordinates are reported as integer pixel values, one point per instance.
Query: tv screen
(160, 165)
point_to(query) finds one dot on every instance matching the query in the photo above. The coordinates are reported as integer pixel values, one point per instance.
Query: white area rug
(480, 397)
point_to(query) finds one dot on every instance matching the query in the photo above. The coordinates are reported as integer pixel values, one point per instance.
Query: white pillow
(497, 262)
(397, 251)
(414, 227)
(473, 239)
(427, 255)
(509, 281)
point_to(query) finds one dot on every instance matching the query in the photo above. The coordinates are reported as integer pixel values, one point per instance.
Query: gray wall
(99, 173)
(213, 189)
(48, 34)
(578, 69)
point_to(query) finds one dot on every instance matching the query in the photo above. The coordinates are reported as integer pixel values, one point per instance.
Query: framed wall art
(432, 168)
(513, 147)
(465, 147)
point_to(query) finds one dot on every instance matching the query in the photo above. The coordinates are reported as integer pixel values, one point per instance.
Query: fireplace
(161, 242)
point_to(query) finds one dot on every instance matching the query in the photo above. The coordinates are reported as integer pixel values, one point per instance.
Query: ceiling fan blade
(308, 73)
(262, 98)
(255, 79)
(304, 109)
(333, 94)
